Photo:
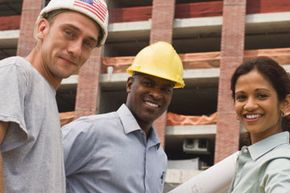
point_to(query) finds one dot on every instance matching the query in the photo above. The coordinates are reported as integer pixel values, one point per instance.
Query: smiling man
(119, 152)
(31, 159)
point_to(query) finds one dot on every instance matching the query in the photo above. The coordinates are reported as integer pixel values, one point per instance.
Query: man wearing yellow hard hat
(119, 152)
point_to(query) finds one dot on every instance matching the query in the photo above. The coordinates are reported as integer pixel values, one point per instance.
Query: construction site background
(212, 38)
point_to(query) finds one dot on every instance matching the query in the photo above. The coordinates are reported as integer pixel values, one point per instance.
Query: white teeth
(254, 116)
(151, 104)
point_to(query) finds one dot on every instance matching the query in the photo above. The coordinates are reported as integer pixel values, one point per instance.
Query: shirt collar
(130, 125)
(153, 139)
(128, 120)
(262, 147)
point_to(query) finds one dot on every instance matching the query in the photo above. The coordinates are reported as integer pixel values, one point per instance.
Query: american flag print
(97, 7)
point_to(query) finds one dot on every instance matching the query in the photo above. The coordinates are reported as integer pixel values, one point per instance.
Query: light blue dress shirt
(264, 167)
(109, 153)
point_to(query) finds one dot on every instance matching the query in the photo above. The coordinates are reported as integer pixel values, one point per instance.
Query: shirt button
(245, 150)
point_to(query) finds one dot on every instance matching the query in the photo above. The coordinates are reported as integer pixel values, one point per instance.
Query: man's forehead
(154, 78)
(68, 22)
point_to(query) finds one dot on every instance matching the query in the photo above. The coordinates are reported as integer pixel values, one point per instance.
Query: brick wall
(30, 12)
(161, 30)
(232, 53)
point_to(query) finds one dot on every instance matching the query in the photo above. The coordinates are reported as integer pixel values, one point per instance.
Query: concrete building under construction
(212, 37)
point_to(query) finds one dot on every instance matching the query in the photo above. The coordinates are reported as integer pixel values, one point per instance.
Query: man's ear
(286, 105)
(41, 28)
(129, 84)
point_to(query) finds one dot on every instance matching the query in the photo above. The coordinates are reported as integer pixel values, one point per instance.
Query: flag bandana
(97, 7)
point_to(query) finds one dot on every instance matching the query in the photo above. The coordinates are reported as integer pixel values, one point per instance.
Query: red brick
(161, 30)
(162, 20)
(10, 22)
(160, 125)
(88, 89)
(30, 12)
(232, 53)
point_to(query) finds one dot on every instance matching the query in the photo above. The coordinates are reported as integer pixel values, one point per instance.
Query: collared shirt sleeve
(78, 143)
(276, 178)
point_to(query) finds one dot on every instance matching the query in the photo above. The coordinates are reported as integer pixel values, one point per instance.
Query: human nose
(75, 48)
(250, 104)
(156, 93)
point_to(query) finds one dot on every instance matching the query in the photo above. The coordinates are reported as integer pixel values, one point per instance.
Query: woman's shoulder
(281, 152)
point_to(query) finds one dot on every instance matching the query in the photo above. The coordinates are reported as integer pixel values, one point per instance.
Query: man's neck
(34, 57)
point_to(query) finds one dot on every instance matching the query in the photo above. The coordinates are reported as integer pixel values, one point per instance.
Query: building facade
(212, 37)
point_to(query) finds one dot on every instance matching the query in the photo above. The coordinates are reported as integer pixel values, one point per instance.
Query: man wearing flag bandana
(31, 158)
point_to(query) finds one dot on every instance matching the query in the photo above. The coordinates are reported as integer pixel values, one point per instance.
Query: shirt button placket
(145, 160)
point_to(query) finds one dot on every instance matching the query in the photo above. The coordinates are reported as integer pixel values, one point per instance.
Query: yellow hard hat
(161, 60)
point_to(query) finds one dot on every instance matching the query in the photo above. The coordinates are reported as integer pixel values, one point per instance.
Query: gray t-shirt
(32, 149)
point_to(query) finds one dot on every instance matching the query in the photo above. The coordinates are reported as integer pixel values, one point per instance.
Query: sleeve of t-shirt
(13, 83)
(78, 141)
(276, 177)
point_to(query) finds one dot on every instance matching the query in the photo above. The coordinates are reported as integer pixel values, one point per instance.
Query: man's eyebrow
(79, 30)
(68, 25)
(170, 84)
(93, 39)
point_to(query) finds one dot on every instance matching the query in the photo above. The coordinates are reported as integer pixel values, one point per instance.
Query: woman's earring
(282, 114)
